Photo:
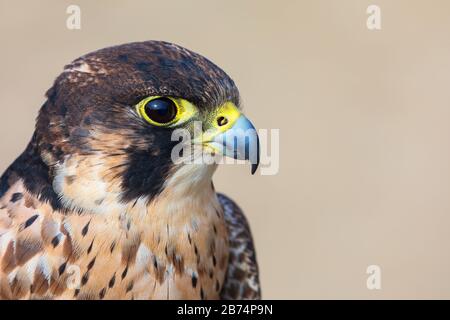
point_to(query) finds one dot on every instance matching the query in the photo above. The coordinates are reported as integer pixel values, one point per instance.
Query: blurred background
(363, 115)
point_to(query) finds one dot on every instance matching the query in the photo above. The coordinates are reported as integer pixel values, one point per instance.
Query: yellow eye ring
(165, 111)
(159, 111)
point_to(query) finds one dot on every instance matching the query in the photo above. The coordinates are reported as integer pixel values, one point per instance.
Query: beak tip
(254, 168)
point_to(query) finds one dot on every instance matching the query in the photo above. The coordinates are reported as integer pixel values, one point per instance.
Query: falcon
(97, 208)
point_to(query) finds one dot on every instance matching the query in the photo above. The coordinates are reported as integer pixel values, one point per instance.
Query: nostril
(221, 121)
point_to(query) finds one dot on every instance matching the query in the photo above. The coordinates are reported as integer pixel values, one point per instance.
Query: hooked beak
(240, 141)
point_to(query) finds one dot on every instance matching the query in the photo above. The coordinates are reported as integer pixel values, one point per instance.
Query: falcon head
(106, 129)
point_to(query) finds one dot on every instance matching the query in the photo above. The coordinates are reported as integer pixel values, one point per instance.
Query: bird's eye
(158, 111)
(166, 111)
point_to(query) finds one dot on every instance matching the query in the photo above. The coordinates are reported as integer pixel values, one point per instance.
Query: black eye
(161, 110)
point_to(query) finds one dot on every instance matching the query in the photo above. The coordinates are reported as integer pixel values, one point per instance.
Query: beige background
(363, 116)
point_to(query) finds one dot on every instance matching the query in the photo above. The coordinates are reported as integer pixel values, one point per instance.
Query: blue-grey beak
(241, 141)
